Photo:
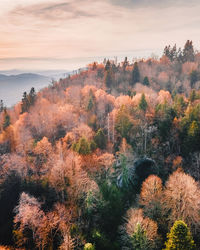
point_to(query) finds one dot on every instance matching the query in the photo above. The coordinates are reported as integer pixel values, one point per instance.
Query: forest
(105, 159)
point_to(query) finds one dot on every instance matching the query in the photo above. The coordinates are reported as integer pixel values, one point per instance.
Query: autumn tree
(150, 200)
(147, 231)
(150, 197)
(180, 237)
(181, 199)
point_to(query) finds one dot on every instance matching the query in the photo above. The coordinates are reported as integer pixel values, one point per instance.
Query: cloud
(153, 3)
(54, 10)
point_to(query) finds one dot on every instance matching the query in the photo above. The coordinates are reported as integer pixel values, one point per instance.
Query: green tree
(90, 104)
(100, 139)
(193, 129)
(82, 147)
(143, 103)
(179, 237)
(1, 106)
(25, 103)
(125, 64)
(28, 100)
(109, 78)
(146, 81)
(188, 52)
(108, 66)
(193, 96)
(6, 119)
(135, 74)
(139, 239)
(91, 101)
(123, 124)
(89, 246)
(32, 96)
(193, 78)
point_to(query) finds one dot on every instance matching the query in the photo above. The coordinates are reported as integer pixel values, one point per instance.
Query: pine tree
(108, 66)
(1, 106)
(146, 81)
(6, 120)
(125, 64)
(82, 147)
(123, 124)
(100, 139)
(32, 96)
(139, 239)
(179, 237)
(188, 52)
(25, 103)
(109, 78)
(143, 103)
(193, 96)
(135, 74)
(193, 78)
(90, 104)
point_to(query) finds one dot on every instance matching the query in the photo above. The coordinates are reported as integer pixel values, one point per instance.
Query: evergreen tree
(109, 78)
(82, 147)
(123, 124)
(91, 101)
(108, 66)
(171, 53)
(143, 103)
(179, 237)
(146, 81)
(135, 74)
(6, 120)
(139, 239)
(167, 50)
(32, 96)
(193, 96)
(193, 78)
(188, 52)
(90, 104)
(125, 64)
(100, 139)
(94, 66)
(25, 103)
(1, 106)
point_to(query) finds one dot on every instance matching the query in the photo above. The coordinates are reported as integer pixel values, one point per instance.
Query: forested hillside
(108, 158)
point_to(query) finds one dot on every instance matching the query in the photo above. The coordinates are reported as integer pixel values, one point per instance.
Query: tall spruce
(135, 74)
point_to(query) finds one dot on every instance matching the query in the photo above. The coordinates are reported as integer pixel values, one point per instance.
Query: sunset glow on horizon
(50, 34)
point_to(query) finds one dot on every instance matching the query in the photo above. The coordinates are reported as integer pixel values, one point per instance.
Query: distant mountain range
(12, 86)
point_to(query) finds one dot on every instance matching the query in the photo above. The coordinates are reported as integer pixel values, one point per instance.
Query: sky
(58, 34)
